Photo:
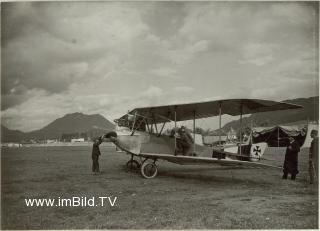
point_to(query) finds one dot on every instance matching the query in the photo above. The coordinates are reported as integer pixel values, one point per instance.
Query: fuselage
(143, 142)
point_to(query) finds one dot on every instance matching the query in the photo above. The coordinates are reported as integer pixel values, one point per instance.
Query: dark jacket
(186, 138)
(291, 159)
(314, 154)
(95, 149)
(314, 148)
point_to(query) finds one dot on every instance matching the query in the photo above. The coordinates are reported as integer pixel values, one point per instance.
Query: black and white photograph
(167, 115)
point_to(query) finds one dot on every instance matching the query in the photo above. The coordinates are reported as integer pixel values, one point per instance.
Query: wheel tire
(133, 166)
(149, 170)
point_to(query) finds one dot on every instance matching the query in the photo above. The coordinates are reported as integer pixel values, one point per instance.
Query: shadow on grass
(231, 179)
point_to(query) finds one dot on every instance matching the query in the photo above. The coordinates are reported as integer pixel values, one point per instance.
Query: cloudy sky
(107, 58)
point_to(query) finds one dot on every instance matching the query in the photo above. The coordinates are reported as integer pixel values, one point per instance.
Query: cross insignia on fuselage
(257, 150)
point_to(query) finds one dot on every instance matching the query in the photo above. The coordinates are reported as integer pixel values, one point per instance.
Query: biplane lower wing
(194, 160)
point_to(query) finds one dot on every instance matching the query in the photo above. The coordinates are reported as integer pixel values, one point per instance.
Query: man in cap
(185, 142)
(95, 155)
(314, 156)
(291, 159)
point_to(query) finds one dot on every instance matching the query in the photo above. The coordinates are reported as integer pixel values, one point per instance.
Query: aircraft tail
(308, 139)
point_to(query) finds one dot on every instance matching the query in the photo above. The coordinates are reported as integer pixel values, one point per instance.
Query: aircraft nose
(111, 135)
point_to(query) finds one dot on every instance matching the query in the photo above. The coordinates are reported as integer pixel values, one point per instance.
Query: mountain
(310, 111)
(8, 135)
(74, 123)
(78, 124)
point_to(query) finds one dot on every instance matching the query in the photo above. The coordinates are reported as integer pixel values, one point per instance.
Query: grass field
(180, 197)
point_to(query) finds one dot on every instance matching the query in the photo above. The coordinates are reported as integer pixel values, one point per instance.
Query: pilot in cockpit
(184, 141)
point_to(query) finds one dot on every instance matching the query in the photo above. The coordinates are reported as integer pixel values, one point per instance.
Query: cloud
(152, 91)
(42, 108)
(199, 46)
(164, 72)
(57, 48)
(184, 89)
(184, 54)
(258, 54)
(110, 57)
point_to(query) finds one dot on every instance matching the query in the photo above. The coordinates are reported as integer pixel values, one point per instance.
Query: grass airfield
(180, 197)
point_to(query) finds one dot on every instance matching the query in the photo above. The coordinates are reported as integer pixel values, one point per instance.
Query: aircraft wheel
(149, 170)
(133, 166)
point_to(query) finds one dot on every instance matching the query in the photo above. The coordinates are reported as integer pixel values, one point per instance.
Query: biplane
(140, 133)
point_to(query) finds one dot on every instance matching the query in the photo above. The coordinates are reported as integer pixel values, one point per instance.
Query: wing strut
(162, 128)
(148, 126)
(134, 123)
(155, 124)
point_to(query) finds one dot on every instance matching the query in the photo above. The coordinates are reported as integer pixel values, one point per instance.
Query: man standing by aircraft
(95, 155)
(110, 136)
(290, 164)
(314, 156)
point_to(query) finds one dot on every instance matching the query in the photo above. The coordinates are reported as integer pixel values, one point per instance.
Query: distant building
(11, 145)
(77, 140)
(51, 141)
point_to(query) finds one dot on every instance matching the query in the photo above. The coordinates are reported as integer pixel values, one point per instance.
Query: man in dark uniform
(314, 156)
(290, 164)
(185, 141)
(95, 155)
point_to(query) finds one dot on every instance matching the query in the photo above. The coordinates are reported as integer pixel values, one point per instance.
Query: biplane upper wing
(189, 111)
(193, 160)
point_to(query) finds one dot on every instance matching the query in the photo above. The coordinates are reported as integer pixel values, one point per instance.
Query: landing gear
(132, 166)
(149, 170)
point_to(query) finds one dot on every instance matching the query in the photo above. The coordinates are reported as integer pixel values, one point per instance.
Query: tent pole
(175, 129)
(240, 128)
(194, 131)
(278, 137)
(220, 125)
(250, 138)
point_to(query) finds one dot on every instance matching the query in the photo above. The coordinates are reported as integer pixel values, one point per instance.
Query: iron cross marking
(257, 150)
